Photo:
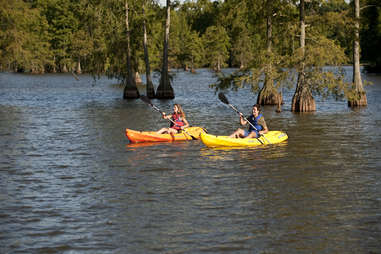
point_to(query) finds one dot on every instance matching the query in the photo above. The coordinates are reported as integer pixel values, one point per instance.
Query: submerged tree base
(165, 94)
(358, 99)
(165, 90)
(280, 102)
(269, 96)
(303, 102)
(130, 93)
(150, 90)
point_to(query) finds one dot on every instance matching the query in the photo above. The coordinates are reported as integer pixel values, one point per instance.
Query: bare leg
(239, 133)
(162, 131)
(172, 131)
(167, 130)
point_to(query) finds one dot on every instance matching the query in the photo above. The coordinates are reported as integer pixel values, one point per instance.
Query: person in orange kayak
(178, 121)
(257, 120)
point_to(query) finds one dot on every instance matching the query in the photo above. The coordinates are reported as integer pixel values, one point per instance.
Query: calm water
(71, 183)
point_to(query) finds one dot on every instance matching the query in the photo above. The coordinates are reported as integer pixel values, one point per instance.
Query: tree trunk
(192, 67)
(130, 89)
(64, 68)
(138, 79)
(269, 32)
(268, 94)
(165, 90)
(302, 101)
(358, 96)
(54, 65)
(218, 67)
(79, 69)
(149, 86)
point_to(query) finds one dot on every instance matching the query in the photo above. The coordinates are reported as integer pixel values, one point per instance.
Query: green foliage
(24, 44)
(266, 64)
(62, 25)
(216, 41)
(234, 15)
(186, 45)
(202, 14)
(371, 35)
(320, 53)
(283, 60)
(333, 19)
(51, 35)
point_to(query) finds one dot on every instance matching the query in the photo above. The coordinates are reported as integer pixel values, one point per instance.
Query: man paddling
(257, 127)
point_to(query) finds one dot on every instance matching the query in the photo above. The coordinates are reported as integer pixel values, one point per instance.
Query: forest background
(102, 37)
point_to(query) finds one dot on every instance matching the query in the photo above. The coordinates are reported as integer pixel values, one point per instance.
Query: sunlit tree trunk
(138, 79)
(192, 67)
(165, 90)
(79, 69)
(302, 101)
(54, 65)
(64, 68)
(135, 68)
(218, 67)
(268, 94)
(358, 96)
(149, 86)
(130, 89)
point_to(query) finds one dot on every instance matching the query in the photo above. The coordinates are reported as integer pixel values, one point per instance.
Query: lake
(70, 182)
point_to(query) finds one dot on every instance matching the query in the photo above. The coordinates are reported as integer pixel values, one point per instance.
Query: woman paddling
(178, 121)
(257, 120)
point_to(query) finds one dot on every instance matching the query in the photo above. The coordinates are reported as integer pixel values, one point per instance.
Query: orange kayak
(152, 136)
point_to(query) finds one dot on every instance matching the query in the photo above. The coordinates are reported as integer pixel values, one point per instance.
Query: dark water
(71, 183)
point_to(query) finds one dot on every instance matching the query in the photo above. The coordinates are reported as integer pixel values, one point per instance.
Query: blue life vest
(254, 121)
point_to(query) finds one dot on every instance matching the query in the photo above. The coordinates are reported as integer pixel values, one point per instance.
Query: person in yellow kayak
(178, 121)
(257, 120)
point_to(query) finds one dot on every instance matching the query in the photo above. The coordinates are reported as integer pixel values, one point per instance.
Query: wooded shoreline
(89, 36)
(123, 38)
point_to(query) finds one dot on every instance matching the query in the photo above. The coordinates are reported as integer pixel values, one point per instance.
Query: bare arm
(264, 131)
(165, 116)
(264, 125)
(186, 124)
(242, 120)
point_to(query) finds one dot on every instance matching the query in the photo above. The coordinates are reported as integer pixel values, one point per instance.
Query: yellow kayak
(271, 137)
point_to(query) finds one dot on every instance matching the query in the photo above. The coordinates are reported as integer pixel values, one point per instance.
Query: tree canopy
(261, 38)
(57, 35)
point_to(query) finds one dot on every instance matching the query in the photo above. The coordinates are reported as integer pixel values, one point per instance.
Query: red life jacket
(178, 122)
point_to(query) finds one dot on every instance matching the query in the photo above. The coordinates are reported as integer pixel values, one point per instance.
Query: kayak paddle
(225, 100)
(148, 101)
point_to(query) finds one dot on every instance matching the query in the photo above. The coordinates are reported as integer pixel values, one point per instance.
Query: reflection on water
(70, 182)
(245, 153)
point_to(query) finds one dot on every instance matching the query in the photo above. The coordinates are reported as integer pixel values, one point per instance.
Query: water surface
(70, 182)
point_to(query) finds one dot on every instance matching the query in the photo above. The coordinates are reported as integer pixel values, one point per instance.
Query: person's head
(178, 110)
(256, 109)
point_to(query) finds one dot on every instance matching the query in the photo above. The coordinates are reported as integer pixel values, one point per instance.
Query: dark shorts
(247, 133)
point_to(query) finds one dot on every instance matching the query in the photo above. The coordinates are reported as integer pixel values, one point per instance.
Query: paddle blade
(223, 98)
(145, 99)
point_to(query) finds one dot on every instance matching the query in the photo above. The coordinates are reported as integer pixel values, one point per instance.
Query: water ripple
(71, 183)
